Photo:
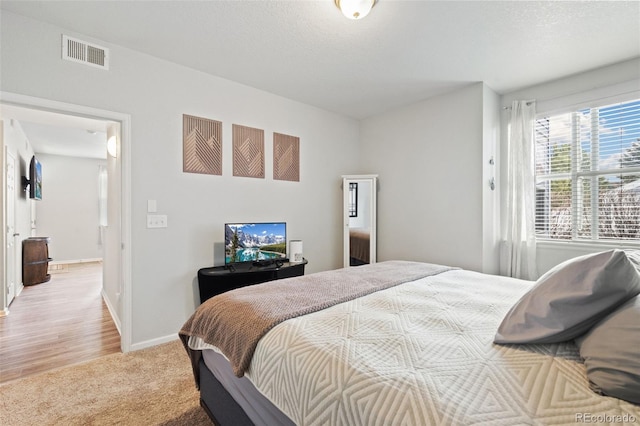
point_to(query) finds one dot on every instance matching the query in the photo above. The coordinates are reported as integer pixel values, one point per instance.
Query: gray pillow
(569, 299)
(611, 353)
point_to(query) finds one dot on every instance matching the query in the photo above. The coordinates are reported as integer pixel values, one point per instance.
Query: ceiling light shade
(355, 9)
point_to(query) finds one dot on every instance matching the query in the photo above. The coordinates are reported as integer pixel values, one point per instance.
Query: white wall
(69, 211)
(615, 83)
(112, 283)
(17, 143)
(491, 173)
(156, 93)
(429, 157)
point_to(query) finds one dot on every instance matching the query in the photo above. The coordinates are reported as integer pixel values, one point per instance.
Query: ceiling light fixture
(355, 9)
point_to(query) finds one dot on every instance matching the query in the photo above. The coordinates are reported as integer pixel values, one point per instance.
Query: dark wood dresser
(218, 279)
(35, 260)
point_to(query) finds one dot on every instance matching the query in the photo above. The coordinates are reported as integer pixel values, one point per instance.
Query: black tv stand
(218, 279)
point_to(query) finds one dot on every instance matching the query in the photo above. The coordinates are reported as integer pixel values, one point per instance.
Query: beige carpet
(153, 386)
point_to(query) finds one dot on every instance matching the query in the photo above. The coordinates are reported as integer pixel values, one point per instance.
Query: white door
(11, 226)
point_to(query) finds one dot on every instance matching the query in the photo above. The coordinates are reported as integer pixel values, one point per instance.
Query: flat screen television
(251, 242)
(35, 179)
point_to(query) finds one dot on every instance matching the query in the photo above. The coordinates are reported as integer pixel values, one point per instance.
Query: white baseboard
(112, 311)
(154, 342)
(75, 261)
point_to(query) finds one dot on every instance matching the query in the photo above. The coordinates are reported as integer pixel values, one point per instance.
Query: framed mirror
(359, 219)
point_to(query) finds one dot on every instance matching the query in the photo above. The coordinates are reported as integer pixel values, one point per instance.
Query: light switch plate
(152, 206)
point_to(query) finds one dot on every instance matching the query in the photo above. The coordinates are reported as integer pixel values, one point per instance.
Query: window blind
(588, 174)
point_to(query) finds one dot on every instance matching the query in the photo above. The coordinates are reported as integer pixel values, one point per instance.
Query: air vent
(85, 53)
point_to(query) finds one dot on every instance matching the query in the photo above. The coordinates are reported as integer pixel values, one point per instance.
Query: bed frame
(217, 403)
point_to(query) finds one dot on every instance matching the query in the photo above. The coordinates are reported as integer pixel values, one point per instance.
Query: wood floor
(57, 323)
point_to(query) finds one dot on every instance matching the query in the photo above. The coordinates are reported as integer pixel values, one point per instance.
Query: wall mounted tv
(34, 181)
(251, 242)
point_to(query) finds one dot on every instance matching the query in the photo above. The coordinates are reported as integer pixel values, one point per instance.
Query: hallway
(57, 323)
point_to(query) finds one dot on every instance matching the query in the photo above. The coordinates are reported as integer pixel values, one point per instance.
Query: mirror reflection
(359, 220)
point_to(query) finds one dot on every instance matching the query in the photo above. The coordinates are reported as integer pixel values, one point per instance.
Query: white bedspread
(422, 354)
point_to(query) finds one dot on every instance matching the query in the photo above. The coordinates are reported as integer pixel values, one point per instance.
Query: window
(588, 174)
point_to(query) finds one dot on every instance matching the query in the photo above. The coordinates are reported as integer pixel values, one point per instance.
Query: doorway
(116, 276)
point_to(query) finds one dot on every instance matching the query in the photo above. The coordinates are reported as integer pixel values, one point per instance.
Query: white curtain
(519, 251)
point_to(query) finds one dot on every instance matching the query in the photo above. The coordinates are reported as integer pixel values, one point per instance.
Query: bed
(402, 343)
(359, 246)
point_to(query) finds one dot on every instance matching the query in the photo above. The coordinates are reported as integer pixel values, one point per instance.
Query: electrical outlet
(156, 221)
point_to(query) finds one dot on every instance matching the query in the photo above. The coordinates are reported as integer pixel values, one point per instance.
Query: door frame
(123, 158)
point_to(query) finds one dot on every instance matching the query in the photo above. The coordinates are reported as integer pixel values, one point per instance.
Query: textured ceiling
(403, 52)
(60, 134)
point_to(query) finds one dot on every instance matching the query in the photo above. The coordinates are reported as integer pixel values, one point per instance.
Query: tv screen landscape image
(250, 242)
(35, 179)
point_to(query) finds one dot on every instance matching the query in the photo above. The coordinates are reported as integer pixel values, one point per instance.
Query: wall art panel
(286, 157)
(248, 151)
(202, 145)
